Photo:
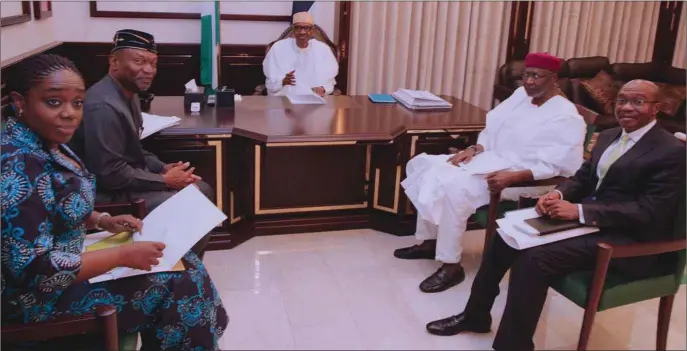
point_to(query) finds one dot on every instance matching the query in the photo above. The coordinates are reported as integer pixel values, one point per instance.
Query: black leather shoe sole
(458, 330)
(456, 324)
(414, 253)
(436, 283)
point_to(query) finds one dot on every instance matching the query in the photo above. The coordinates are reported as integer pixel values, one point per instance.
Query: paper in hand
(485, 163)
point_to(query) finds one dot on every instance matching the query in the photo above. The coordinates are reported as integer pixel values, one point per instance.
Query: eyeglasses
(535, 76)
(304, 28)
(636, 103)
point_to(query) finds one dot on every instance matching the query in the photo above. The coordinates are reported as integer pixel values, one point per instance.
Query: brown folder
(547, 225)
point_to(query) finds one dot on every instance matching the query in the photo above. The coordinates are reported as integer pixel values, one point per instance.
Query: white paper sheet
(522, 214)
(153, 124)
(305, 99)
(485, 163)
(179, 223)
(520, 241)
(419, 99)
(191, 86)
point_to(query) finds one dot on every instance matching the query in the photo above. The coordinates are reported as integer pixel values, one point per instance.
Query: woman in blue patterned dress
(47, 206)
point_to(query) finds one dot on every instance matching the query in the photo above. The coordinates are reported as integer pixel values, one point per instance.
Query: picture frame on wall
(19, 13)
(113, 9)
(42, 9)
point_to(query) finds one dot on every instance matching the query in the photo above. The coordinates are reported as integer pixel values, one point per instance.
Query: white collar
(639, 133)
(297, 49)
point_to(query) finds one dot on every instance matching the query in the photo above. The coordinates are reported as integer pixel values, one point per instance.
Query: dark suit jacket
(108, 141)
(639, 195)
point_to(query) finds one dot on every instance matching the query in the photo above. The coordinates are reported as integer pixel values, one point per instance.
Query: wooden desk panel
(289, 168)
(310, 178)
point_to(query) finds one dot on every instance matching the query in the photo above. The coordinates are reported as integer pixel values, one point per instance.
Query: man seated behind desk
(108, 139)
(538, 132)
(300, 64)
(629, 188)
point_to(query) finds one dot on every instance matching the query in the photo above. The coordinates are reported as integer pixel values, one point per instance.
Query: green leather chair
(128, 342)
(486, 216)
(603, 289)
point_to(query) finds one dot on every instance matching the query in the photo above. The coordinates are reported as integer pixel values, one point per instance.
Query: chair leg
(107, 317)
(586, 331)
(603, 259)
(492, 215)
(665, 309)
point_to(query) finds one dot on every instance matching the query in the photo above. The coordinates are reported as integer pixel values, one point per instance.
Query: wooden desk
(282, 168)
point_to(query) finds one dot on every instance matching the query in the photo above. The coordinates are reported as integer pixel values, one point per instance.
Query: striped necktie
(614, 156)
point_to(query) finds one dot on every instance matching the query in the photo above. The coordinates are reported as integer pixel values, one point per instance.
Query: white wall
(75, 24)
(71, 22)
(20, 38)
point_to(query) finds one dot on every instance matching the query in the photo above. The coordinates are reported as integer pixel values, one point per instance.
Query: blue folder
(382, 98)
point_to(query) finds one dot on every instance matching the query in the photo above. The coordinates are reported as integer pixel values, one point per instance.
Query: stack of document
(420, 100)
(153, 124)
(171, 223)
(519, 235)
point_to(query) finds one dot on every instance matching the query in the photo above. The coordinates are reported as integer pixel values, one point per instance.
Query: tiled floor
(345, 290)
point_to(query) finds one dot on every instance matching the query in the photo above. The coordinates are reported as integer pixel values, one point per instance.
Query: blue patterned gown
(45, 202)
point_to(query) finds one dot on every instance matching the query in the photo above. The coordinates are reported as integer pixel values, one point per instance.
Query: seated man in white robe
(302, 64)
(534, 134)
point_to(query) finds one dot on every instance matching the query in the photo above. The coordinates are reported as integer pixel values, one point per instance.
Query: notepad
(382, 98)
(516, 231)
(545, 225)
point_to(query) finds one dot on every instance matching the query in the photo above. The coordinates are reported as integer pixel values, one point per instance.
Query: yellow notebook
(123, 238)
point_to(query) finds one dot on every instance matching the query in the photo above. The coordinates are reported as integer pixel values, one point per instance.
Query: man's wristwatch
(100, 218)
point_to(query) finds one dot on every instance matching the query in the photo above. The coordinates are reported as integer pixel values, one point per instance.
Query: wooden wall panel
(241, 65)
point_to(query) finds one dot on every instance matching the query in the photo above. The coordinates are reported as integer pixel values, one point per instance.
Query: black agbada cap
(133, 39)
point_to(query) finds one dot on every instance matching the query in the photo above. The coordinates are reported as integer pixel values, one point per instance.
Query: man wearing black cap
(108, 139)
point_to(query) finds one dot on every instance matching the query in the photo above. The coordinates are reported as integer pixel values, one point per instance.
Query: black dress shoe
(446, 277)
(458, 323)
(415, 252)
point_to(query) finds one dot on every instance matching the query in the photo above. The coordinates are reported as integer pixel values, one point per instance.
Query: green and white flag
(209, 45)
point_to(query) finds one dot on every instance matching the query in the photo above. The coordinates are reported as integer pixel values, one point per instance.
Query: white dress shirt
(633, 138)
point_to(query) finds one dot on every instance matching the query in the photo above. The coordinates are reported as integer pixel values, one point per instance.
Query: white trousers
(445, 197)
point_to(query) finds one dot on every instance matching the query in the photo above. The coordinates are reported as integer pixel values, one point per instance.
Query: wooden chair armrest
(104, 206)
(645, 249)
(606, 251)
(58, 327)
(541, 182)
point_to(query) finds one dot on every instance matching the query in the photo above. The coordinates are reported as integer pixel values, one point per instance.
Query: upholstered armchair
(486, 216)
(319, 34)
